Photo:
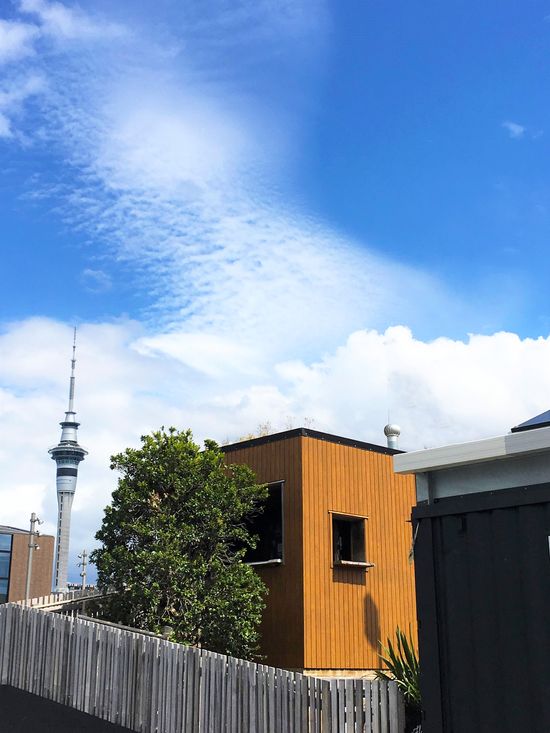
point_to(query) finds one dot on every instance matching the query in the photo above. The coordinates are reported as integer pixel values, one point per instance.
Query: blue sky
(394, 135)
(261, 211)
(412, 117)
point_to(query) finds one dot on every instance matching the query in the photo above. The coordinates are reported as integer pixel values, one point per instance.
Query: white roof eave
(460, 454)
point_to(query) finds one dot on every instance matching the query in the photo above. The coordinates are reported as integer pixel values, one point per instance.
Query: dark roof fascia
(483, 501)
(308, 433)
(539, 421)
(524, 428)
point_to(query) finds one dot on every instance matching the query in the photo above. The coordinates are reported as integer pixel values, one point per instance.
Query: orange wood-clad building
(333, 550)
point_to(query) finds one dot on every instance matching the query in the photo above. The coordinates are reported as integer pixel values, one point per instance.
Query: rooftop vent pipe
(392, 433)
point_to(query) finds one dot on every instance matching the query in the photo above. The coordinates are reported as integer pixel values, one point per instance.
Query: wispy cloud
(16, 40)
(13, 95)
(514, 129)
(68, 23)
(41, 20)
(178, 170)
(174, 164)
(26, 51)
(96, 281)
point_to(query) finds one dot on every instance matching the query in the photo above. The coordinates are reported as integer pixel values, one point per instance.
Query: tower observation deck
(67, 454)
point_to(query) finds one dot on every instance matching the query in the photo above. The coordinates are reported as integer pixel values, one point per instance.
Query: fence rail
(63, 598)
(151, 685)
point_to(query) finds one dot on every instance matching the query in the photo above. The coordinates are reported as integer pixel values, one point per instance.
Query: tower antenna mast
(67, 454)
(71, 383)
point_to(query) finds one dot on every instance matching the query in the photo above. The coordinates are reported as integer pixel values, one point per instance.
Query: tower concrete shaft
(67, 454)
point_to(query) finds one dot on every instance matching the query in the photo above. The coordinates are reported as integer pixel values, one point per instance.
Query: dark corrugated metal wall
(483, 586)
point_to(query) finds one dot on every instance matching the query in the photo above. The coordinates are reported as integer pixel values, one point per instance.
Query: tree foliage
(173, 542)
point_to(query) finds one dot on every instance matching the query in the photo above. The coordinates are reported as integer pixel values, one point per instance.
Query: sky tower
(67, 454)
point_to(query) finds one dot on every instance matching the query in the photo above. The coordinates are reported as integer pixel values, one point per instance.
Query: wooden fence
(60, 599)
(152, 685)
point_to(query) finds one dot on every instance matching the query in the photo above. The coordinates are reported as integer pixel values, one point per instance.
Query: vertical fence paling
(151, 685)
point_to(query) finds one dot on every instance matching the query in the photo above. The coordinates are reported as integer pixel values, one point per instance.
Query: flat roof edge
(6, 529)
(477, 451)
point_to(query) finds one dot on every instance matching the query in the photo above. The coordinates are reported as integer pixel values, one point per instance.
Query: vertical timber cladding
(348, 611)
(483, 584)
(282, 627)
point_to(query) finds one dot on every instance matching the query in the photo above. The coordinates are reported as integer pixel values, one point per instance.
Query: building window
(348, 540)
(268, 528)
(5, 560)
(4, 564)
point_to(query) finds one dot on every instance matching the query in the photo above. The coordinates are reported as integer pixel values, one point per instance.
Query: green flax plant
(402, 663)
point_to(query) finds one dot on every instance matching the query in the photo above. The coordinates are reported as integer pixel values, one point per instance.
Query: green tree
(173, 542)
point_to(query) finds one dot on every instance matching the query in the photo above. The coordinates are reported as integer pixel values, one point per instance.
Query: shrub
(403, 666)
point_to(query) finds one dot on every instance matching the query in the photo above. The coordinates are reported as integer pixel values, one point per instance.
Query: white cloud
(440, 391)
(5, 126)
(178, 170)
(174, 167)
(515, 130)
(16, 40)
(159, 139)
(34, 369)
(13, 95)
(207, 354)
(57, 29)
(68, 23)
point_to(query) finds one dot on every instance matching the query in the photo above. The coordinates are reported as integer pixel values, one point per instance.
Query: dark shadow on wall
(372, 623)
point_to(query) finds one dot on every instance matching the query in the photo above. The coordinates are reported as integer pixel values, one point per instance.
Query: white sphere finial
(392, 433)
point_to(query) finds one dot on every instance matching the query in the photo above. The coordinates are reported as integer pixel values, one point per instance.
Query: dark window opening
(348, 539)
(267, 526)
